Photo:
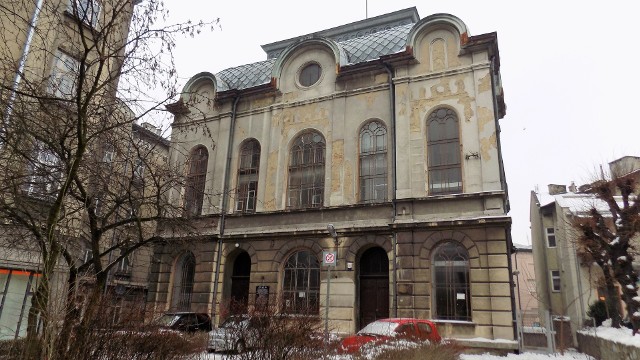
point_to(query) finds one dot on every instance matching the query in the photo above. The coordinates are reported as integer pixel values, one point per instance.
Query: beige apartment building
(373, 147)
(42, 46)
(565, 287)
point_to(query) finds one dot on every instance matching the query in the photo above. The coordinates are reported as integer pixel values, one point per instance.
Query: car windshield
(167, 319)
(379, 328)
(232, 322)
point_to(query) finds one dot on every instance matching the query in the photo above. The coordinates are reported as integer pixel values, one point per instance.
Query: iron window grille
(452, 290)
(306, 171)
(443, 153)
(373, 163)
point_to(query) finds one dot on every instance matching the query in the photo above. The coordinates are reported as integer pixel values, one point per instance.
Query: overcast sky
(569, 71)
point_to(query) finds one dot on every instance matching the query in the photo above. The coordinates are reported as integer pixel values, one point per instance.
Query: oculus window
(310, 74)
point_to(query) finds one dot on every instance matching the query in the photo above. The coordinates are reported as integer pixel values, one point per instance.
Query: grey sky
(568, 71)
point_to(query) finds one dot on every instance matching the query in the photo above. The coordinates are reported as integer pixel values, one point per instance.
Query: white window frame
(138, 168)
(45, 176)
(64, 76)
(87, 10)
(553, 277)
(551, 233)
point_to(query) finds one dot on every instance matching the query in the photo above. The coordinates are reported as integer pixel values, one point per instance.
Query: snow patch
(620, 336)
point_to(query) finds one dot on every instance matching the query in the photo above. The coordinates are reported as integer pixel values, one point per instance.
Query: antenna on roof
(366, 9)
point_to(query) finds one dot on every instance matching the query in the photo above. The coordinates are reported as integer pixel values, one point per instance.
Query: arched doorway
(240, 283)
(374, 285)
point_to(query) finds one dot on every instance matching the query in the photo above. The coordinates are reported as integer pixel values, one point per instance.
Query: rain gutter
(225, 200)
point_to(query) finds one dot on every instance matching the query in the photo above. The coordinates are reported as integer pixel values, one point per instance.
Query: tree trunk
(613, 299)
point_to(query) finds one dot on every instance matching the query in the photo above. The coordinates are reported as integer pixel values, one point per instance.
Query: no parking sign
(329, 258)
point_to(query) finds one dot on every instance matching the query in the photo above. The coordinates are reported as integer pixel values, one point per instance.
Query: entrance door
(374, 286)
(240, 283)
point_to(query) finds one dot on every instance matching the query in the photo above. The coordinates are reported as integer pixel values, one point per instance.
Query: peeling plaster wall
(338, 109)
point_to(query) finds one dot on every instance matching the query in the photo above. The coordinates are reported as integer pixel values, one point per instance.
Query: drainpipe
(514, 318)
(394, 187)
(503, 180)
(503, 183)
(225, 200)
(22, 63)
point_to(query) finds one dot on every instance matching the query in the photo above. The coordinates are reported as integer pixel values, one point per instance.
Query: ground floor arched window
(301, 284)
(451, 282)
(184, 274)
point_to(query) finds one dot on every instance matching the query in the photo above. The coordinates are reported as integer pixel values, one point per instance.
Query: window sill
(454, 322)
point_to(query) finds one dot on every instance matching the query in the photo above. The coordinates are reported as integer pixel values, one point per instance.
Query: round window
(310, 74)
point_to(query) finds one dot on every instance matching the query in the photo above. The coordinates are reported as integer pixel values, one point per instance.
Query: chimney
(573, 188)
(555, 189)
(151, 127)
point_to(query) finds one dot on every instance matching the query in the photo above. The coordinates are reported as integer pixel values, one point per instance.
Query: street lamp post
(334, 235)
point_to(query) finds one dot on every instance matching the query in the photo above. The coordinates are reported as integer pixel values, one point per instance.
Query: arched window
(443, 150)
(184, 273)
(248, 176)
(301, 284)
(373, 162)
(194, 187)
(451, 282)
(306, 171)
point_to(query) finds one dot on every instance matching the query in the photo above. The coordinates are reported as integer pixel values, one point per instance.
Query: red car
(383, 330)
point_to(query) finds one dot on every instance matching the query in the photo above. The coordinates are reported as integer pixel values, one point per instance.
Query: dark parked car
(384, 330)
(185, 321)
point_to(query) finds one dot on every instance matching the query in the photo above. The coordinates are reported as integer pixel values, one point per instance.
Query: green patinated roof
(359, 49)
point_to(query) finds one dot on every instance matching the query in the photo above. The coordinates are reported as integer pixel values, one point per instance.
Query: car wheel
(240, 347)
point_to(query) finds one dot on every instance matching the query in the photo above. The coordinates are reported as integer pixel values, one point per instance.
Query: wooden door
(374, 286)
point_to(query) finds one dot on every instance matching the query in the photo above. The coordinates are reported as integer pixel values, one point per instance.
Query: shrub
(405, 350)
(598, 311)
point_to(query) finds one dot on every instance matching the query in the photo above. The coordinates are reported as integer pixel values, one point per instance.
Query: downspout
(22, 63)
(514, 318)
(225, 200)
(394, 187)
(503, 182)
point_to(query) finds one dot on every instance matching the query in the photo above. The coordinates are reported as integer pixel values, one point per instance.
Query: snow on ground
(621, 336)
(568, 355)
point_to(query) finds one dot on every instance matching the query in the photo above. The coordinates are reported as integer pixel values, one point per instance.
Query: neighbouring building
(43, 44)
(376, 142)
(526, 295)
(565, 286)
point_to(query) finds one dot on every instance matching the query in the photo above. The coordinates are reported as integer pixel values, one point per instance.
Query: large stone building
(387, 130)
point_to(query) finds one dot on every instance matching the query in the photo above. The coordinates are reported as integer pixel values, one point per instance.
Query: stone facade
(435, 66)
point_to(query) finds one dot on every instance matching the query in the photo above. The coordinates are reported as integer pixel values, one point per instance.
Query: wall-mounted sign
(329, 258)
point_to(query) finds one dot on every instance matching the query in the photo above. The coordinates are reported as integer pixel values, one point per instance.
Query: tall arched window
(301, 284)
(248, 176)
(194, 187)
(306, 171)
(443, 150)
(373, 162)
(184, 273)
(451, 282)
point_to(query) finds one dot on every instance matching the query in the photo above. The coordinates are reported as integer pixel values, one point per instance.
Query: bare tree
(76, 172)
(607, 237)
